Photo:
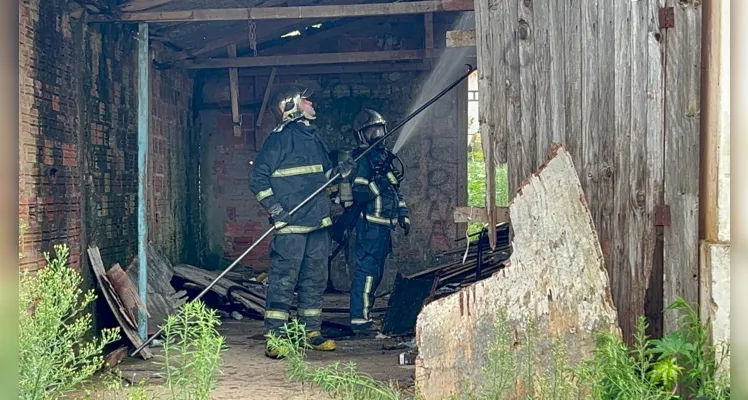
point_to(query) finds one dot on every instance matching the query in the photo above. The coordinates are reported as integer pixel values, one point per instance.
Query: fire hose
(446, 90)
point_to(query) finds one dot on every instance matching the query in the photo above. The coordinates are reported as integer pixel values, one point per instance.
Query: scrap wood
(126, 292)
(128, 327)
(115, 357)
(203, 278)
(161, 295)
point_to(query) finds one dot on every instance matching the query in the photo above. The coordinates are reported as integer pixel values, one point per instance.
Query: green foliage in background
(54, 357)
(477, 185)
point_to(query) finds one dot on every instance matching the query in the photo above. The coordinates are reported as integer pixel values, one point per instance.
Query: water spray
(313, 195)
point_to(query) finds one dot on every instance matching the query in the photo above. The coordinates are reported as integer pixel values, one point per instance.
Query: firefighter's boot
(319, 342)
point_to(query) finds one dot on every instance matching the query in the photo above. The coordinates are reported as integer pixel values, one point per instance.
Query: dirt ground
(248, 374)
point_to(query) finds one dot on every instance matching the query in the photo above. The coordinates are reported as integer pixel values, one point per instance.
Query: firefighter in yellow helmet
(292, 164)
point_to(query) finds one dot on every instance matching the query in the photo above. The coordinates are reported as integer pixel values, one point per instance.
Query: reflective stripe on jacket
(292, 164)
(381, 194)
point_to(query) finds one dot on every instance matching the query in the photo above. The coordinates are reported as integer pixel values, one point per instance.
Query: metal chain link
(252, 36)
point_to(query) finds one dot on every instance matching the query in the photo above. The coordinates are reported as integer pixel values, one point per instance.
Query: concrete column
(715, 175)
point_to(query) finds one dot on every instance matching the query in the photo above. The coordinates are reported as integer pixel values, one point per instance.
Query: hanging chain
(252, 36)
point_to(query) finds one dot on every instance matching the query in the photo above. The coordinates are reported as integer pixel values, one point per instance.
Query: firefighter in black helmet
(292, 164)
(376, 187)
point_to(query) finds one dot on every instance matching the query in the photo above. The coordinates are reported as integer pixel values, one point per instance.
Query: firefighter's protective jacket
(292, 164)
(376, 186)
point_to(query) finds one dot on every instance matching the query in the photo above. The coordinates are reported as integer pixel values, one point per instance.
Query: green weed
(192, 352)
(339, 381)
(55, 358)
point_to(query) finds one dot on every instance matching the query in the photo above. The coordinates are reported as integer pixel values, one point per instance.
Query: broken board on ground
(163, 299)
(406, 301)
(127, 326)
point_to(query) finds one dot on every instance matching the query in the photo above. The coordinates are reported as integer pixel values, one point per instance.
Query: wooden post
(234, 88)
(428, 25)
(266, 97)
(144, 112)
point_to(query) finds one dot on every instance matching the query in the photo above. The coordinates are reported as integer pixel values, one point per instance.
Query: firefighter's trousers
(373, 244)
(302, 259)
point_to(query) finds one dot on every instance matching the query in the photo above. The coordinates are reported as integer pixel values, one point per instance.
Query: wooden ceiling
(202, 34)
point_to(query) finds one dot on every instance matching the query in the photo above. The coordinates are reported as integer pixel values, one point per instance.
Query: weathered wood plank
(653, 144)
(606, 145)
(478, 214)
(490, 39)
(336, 69)
(620, 268)
(234, 91)
(274, 13)
(590, 124)
(638, 254)
(539, 286)
(682, 48)
(541, 65)
(513, 136)
(310, 59)
(110, 296)
(525, 141)
(573, 82)
(558, 98)
(460, 38)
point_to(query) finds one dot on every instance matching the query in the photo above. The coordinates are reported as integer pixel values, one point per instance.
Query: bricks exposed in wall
(49, 176)
(78, 144)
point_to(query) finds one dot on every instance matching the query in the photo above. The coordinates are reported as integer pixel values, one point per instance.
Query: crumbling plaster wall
(435, 159)
(78, 140)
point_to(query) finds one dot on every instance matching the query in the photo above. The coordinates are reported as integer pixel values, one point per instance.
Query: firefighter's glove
(404, 223)
(344, 168)
(278, 216)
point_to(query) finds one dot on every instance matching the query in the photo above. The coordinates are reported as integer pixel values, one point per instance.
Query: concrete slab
(556, 280)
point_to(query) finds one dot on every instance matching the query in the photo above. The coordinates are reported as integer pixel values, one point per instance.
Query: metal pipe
(316, 192)
(144, 64)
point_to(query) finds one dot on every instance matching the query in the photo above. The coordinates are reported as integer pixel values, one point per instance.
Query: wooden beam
(460, 38)
(309, 59)
(265, 98)
(478, 214)
(275, 13)
(141, 5)
(234, 89)
(335, 69)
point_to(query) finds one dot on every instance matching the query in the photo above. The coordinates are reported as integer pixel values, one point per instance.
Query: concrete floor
(248, 374)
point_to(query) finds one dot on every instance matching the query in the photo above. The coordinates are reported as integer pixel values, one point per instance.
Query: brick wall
(78, 140)
(435, 167)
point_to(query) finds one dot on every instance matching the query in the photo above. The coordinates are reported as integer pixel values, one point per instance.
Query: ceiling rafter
(276, 13)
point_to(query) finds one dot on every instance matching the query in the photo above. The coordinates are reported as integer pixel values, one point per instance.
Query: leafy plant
(192, 352)
(54, 356)
(340, 381)
(686, 356)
